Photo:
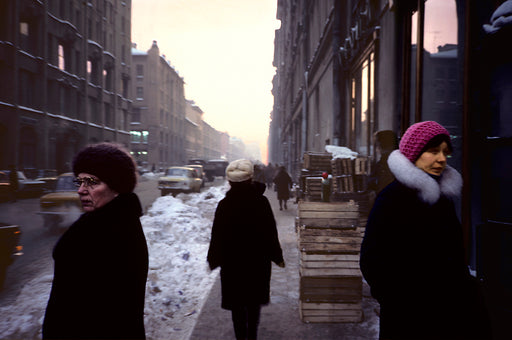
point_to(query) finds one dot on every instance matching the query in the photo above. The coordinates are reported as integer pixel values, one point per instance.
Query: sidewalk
(280, 319)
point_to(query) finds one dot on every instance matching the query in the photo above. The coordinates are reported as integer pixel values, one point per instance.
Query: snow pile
(340, 152)
(23, 318)
(178, 234)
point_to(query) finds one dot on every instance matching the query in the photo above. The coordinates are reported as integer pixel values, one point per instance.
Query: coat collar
(429, 190)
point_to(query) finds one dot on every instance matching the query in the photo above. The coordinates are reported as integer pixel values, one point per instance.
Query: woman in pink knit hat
(412, 255)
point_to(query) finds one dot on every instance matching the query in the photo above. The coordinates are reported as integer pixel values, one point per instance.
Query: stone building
(194, 130)
(348, 69)
(65, 70)
(158, 119)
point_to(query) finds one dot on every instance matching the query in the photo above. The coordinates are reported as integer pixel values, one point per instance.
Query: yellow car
(179, 179)
(200, 171)
(62, 205)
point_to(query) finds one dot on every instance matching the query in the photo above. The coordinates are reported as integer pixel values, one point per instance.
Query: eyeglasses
(88, 182)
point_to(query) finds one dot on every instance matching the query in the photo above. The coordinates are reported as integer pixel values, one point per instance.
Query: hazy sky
(224, 50)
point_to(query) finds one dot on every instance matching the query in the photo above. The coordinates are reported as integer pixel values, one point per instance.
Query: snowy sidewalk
(280, 319)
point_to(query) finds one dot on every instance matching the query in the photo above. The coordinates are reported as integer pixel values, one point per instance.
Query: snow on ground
(177, 231)
(178, 235)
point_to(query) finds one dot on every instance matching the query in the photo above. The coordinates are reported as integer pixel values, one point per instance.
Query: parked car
(10, 248)
(179, 179)
(49, 176)
(200, 171)
(28, 187)
(62, 205)
(5, 186)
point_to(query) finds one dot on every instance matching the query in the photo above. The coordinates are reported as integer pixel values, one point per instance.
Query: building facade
(159, 109)
(194, 130)
(65, 67)
(348, 69)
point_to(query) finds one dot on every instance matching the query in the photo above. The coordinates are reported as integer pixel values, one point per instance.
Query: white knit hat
(240, 170)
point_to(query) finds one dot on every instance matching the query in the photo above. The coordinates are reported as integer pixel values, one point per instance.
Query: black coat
(412, 257)
(243, 243)
(101, 266)
(283, 183)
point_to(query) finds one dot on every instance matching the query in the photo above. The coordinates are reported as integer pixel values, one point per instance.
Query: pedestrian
(283, 183)
(412, 254)
(269, 175)
(101, 261)
(385, 143)
(259, 174)
(244, 243)
(13, 183)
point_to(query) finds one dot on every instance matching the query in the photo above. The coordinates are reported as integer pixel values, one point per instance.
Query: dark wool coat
(243, 243)
(412, 256)
(283, 183)
(101, 266)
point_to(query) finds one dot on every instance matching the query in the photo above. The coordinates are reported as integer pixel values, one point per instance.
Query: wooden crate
(328, 214)
(319, 161)
(330, 312)
(335, 289)
(321, 265)
(329, 240)
(313, 188)
(342, 167)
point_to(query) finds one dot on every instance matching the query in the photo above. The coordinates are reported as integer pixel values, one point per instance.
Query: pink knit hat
(417, 136)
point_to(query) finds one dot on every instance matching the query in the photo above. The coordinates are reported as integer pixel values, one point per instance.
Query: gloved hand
(281, 264)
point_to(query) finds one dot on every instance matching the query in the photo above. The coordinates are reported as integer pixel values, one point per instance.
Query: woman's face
(93, 192)
(433, 161)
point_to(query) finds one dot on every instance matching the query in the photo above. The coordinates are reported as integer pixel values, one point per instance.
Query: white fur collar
(429, 190)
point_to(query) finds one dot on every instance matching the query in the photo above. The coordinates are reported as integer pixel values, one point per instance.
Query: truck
(212, 167)
(10, 248)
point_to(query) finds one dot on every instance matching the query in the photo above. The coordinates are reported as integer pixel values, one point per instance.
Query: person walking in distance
(283, 183)
(101, 261)
(244, 243)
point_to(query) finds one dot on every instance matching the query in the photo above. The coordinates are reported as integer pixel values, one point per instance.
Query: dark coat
(283, 183)
(101, 266)
(412, 257)
(243, 243)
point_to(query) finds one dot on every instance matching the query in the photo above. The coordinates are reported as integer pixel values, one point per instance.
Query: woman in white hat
(244, 243)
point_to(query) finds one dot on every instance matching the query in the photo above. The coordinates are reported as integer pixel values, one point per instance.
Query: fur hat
(417, 136)
(240, 170)
(110, 163)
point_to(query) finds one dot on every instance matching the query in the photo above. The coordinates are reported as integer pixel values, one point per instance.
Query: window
(136, 115)
(140, 71)
(362, 106)
(139, 136)
(436, 74)
(62, 64)
(140, 93)
(109, 121)
(24, 29)
(136, 136)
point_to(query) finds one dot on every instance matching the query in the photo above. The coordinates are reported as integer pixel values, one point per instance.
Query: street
(38, 242)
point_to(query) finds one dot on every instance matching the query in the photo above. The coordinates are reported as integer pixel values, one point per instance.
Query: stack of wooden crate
(314, 164)
(330, 279)
(350, 175)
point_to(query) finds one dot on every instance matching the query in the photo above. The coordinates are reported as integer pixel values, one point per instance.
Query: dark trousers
(245, 321)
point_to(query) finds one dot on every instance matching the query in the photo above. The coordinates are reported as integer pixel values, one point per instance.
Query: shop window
(362, 105)
(437, 71)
